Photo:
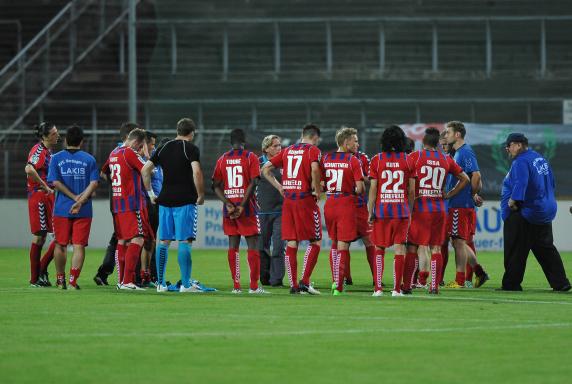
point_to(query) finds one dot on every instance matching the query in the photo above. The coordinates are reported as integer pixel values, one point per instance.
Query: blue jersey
(531, 182)
(465, 157)
(75, 169)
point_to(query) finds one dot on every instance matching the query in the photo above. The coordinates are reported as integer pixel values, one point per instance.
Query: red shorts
(301, 219)
(462, 223)
(341, 219)
(132, 224)
(389, 231)
(72, 230)
(428, 228)
(243, 226)
(364, 228)
(40, 210)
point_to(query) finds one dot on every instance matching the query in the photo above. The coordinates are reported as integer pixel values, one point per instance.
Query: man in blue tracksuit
(528, 207)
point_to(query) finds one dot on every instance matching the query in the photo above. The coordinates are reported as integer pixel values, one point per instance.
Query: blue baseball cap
(515, 137)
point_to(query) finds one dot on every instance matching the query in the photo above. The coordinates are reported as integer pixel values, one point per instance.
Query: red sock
(234, 265)
(378, 268)
(344, 258)
(436, 267)
(35, 251)
(370, 252)
(48, 257)
(74, 275)
(144, 275)
(254, 264)
(468, 272)
(445, 258)
(60, 278)
(347, 268)
(398, 264)
(423, 275)
(479, 270)
(310, 260)
(333, 262)
(409, 270)
(460, 278)
(292, 266)
(120, 251)
(131, 258)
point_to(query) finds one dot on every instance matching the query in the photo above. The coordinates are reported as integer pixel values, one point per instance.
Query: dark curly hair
(393, 139)
(43, 129)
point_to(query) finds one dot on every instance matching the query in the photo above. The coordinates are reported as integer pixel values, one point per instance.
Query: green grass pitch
(101, 335)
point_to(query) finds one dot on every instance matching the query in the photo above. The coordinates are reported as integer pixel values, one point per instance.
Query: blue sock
(162, 255)
(185, 263)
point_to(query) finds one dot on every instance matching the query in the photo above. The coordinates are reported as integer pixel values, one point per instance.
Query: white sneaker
(396, 294)
(309, 289)
(258, 291)
(378, 293)
(118, 286)
(162, 288)
(191, 289)
(131, 287)
(236, 291)
(421, 286)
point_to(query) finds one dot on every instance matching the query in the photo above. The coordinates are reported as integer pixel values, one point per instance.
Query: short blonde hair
(267, 142)
(343, 134)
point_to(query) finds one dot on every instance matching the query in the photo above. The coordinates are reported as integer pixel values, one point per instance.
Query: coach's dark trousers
(271, 263)
(521, 237)
(108, 263)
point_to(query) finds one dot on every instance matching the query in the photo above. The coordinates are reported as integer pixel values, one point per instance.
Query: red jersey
(392, 172)
(297, 162)
(341, 170)
(125, 166)
(39, 158)
(364, 160)
(431, 169)
(236, 169)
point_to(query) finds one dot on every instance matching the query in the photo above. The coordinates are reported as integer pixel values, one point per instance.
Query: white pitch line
(500, 300)
(243, 334)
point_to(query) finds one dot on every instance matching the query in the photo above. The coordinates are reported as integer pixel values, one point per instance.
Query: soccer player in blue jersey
(462, 220)
(74, 174)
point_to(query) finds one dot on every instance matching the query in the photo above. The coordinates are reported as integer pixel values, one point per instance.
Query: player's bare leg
(38, 241)
(76, 264)
(460, 247)
(370, 253)
(424, 259)
(60, 257)
(253, 258)
(145, 262)
(481, 275)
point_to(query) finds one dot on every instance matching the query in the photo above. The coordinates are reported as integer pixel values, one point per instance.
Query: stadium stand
(430, 70)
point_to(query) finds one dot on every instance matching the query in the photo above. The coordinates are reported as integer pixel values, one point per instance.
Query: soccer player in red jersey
(301, 219)
(429, 217)
(363, 226)
(40, 202)
(128, 201)
(391, 187)
(343, 180)
(234, 180)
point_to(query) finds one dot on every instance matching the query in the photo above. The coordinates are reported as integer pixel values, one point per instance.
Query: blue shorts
(178, 223)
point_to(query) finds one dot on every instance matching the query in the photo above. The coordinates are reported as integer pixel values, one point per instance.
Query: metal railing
(64, 26)
(330, 22)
